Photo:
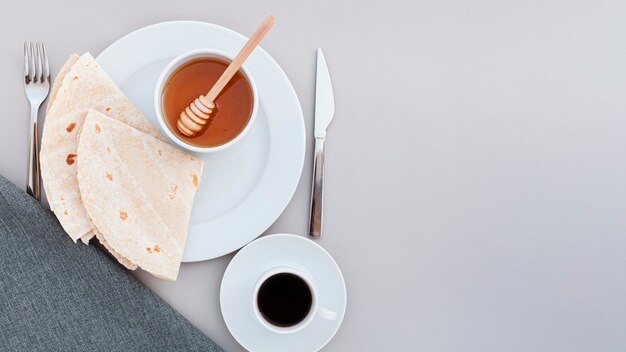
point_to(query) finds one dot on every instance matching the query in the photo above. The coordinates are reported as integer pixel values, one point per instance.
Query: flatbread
(65, 69)
(87, 237)
(138, 191)
(67, 66)
(58, 81)
(85, 86)
(120, 258)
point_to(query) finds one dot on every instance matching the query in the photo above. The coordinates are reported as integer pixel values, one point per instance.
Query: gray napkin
(59, 296)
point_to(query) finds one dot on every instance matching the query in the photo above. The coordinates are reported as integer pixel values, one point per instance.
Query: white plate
(240, 277)
(246, 187)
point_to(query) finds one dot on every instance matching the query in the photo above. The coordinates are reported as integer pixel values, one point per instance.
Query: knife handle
(317, 190)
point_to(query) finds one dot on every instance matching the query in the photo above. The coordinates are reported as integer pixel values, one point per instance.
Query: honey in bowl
(233, 105)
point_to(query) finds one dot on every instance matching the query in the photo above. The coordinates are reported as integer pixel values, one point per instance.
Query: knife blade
(324, 112)
(324, 99)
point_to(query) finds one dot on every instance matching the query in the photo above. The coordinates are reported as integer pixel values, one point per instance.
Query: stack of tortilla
(108, 172)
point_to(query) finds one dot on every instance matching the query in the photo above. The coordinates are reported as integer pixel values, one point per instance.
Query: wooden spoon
(193, 119)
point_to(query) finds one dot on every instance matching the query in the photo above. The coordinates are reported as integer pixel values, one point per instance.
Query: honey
(233, 105)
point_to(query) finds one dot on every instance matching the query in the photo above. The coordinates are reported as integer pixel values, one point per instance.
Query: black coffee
(284, 299)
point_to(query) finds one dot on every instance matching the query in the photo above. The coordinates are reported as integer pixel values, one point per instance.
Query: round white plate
(246, 187)
(256, 258)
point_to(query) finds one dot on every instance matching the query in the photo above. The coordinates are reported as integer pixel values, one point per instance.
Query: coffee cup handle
(326, 314)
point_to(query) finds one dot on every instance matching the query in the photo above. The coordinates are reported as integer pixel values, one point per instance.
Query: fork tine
(26, 61)
(46, 67)
(38, 60)
(31, 62)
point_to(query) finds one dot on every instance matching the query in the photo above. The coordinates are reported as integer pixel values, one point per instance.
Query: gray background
(476, 181)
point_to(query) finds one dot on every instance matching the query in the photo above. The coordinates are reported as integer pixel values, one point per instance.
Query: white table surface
(476, 178)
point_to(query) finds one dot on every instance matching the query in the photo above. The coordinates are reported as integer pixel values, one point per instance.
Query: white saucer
(257, 257)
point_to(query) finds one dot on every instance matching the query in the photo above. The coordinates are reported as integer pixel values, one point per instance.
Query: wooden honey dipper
(195, 116)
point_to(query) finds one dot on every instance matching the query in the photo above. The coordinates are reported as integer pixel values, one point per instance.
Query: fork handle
(317, 191)
(32, 187)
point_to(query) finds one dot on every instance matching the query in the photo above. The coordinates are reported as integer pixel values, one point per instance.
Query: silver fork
(37, 87)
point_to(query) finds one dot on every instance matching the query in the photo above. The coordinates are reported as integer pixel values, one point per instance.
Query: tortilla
(87, 237)
(138, 191)
(84, 86)
(65, 69)
(67, 66)
(120, 258)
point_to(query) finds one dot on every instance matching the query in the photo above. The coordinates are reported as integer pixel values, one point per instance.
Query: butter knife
(324, 111)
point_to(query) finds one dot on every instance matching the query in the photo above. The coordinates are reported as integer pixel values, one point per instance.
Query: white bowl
(171, 68)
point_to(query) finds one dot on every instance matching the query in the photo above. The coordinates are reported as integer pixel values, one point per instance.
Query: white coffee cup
(315, 310)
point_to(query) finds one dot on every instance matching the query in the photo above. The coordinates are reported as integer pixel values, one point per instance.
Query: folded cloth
(58, 296)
